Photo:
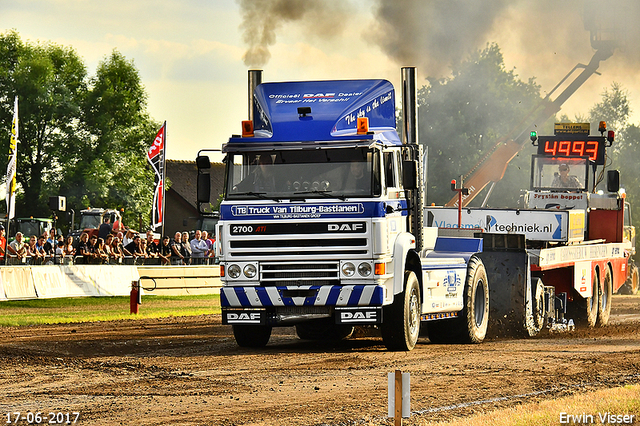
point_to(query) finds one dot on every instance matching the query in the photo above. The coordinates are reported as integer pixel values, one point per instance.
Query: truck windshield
(559, 174)
(318, 173)
(90, 221)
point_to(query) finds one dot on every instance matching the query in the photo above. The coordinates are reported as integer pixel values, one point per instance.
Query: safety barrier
(49, 281)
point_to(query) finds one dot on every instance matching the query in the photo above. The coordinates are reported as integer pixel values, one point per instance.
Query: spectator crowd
(108, 247)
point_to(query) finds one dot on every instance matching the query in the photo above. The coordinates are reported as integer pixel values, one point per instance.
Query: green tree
(111, 170)
(80, 137)
(463, 116)
(49, 81)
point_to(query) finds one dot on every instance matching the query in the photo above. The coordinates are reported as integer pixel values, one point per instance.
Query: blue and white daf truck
(321, 224)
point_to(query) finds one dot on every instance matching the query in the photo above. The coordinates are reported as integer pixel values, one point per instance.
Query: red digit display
(592, 147)
(551, 147)
(591, 150)
(578, 148)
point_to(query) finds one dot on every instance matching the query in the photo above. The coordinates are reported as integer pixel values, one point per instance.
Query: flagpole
(11, 173)
(164, 178)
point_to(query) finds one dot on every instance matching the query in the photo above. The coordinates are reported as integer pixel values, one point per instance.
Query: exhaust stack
(255, 78)
(409, 106)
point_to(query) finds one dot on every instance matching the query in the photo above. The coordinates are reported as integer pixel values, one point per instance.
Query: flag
(11, 167)
(156, 157)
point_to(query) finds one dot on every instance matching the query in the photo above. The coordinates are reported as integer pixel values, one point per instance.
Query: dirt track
(189, 371)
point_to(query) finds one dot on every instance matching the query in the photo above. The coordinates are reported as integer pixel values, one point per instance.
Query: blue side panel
(335, 107)
(457, 244)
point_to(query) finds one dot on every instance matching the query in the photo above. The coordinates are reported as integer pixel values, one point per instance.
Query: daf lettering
(345, 227)
(370, 315)
(253, 316)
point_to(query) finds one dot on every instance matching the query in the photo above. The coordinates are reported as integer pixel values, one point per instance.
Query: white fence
(34, 282)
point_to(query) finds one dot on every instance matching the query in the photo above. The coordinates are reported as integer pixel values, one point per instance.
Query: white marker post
(399, 396)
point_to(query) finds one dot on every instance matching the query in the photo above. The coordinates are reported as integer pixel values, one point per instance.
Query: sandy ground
(189, 371)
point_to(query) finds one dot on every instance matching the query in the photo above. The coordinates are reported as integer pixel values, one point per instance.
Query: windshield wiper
(255, 194)
(325, 193)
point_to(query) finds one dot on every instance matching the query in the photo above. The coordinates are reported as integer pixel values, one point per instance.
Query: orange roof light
(363, 125)
(247, 129)
(602, 127)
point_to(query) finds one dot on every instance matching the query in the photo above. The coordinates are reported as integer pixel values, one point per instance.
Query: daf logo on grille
(345, 227)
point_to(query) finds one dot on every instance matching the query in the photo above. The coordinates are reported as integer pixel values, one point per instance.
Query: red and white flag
(156, 157)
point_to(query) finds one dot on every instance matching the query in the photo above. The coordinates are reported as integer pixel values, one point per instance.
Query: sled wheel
(605, 299)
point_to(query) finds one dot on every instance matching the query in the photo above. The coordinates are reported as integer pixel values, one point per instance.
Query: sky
(193, 55)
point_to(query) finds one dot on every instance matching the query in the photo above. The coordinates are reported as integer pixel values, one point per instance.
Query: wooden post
(398, 398)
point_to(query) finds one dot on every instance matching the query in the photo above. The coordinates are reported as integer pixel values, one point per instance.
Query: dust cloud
(436, 34)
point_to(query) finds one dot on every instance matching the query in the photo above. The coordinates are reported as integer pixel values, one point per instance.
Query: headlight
(364, 269)
(348, 269)
(249, 270)
(233, 271)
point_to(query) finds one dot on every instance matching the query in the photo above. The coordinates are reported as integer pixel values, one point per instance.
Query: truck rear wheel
(585, 311)
(251, 336)
(471, 324)
(476, 302)
(605, 299)
(401, 320)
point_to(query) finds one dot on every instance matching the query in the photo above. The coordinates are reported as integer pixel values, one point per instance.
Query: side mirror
(203, 162)
(409, 174)
(204, 187)
(204, 179)
(613, 180)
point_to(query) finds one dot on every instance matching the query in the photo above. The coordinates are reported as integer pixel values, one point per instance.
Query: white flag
(11, 167)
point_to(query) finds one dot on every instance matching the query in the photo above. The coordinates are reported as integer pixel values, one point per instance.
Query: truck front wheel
(401, 320)
(251, 336)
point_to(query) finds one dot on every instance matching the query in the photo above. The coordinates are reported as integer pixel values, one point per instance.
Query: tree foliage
(80, 137)
(462, 117)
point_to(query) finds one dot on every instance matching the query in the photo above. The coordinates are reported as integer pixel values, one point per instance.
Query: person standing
(177, 258)
(18, 248)
(198, 249)
(186, 248)
(165, 251)
(3, 245)
(105, 228)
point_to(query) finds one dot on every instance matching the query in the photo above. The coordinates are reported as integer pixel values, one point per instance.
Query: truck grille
(295, 273)
(278, 247)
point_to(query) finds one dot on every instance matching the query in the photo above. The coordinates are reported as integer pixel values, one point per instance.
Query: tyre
(605, 299)
(536, 318)
(585, 311)
(475, 315)
(323, 330)
(631, 285)
(471, 324)
(401, 320)
(251, 336)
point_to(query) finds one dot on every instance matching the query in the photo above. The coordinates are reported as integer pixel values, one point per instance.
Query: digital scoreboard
(573, 146)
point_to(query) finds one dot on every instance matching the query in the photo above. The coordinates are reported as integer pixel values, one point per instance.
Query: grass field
(586, 408)
(87, 309)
